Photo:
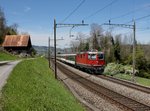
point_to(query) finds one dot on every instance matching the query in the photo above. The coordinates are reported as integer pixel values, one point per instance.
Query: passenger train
(90, 61)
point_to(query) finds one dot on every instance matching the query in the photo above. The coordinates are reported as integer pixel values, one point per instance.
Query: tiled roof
(16, 41)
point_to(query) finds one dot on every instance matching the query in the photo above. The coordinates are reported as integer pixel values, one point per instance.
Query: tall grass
(32, 87)
(6, 56)
(139, 80)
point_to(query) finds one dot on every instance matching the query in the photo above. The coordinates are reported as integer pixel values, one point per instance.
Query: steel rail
(126, 102)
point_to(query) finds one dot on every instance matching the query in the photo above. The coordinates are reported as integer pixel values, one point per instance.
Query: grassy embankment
(139, 80)
(116, 70)
(6, 56)
(32, 87)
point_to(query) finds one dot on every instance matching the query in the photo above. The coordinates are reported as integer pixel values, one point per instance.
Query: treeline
(4, 28)
(117, 49)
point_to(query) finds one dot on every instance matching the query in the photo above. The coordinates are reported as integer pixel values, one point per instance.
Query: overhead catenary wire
(99, 10)
(143, 17)
(73, 11)
(140, 18)
(144, 29)
(130, 12)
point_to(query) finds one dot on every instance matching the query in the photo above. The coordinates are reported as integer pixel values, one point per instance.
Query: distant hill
(43, 50)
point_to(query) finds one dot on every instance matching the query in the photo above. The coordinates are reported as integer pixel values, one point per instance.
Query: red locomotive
(92, 62)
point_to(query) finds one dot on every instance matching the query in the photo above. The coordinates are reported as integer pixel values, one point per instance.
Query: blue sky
(36, 17)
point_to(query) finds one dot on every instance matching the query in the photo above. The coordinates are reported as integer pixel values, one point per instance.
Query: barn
(17, 44)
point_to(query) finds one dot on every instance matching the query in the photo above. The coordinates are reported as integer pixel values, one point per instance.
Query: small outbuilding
(17, 44)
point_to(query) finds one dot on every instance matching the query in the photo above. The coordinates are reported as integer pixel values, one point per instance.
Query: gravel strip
(128, 92)
(88, 98)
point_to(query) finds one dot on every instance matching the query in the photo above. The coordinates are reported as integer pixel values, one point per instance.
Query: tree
(33, 52)
(107, 47)
(4, 29)
(95, 42)
(96, 32)
(141, 63)
(117, 48)
(2, 25)
(11, 30)
(74, 46)
(81, 38)
(86, 46)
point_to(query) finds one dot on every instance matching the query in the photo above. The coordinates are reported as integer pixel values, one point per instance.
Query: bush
(144, 74)
(113, 68)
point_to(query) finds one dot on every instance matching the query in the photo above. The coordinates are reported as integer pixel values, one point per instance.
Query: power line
(144, 29)
(73, 11)
(131, 12)
(128, 13)
(109, 4)
(143, 17)
(140, 18)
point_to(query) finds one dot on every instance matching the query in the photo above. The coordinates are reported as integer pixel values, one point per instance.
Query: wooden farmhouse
(17, 44)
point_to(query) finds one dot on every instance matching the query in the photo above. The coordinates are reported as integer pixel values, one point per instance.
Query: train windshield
(92, 56)
(100, 56)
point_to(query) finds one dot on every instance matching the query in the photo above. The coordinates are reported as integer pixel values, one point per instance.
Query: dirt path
(5, 70)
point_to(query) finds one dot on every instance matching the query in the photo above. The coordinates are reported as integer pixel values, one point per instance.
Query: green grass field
(32, 87)
(6, 56)
(140, 80)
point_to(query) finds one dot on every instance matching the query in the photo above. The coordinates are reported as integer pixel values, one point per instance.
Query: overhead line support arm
(62, 25)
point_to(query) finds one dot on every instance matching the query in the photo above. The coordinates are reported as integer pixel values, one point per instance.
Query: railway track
(126, 83)
(118, 99)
